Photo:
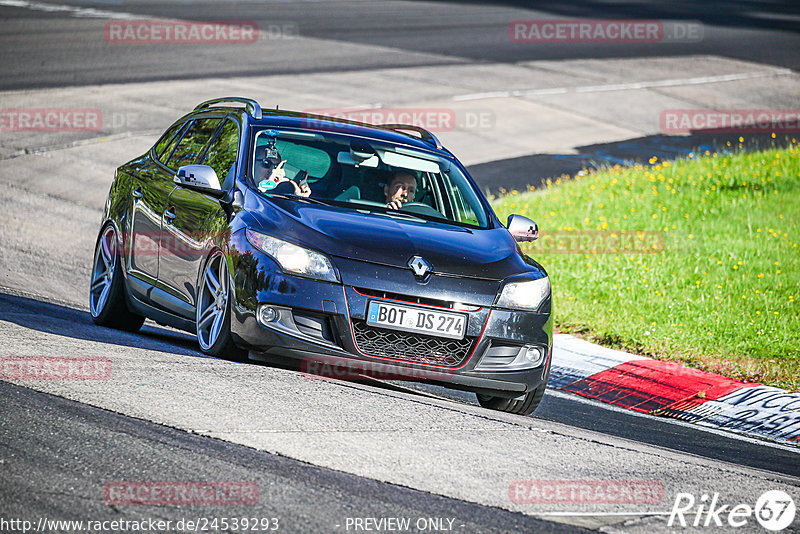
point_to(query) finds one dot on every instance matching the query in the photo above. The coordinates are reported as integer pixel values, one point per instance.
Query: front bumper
(323, 324)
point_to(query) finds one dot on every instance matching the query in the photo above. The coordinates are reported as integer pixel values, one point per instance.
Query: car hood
(389, 239)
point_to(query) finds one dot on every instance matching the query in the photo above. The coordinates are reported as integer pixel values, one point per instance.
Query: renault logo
(420, 266)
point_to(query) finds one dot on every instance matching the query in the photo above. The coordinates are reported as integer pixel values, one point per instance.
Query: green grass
(711, 273)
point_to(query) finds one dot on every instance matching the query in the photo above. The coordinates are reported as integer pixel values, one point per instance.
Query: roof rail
(252, 107)
(424, 134)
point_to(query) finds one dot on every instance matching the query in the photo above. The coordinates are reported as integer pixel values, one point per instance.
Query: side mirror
(522, 228)
(200, 178)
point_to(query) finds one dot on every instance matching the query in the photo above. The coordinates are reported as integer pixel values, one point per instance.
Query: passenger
(271, 177)
(401, 189)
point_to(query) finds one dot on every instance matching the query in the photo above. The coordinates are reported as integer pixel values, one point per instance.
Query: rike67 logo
(774, 510)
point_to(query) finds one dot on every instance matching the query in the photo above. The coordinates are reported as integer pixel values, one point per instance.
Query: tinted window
(194, 141)
(167, 142)
(221, 155)
(302, 157)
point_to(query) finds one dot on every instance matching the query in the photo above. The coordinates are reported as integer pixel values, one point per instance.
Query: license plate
(411, 319)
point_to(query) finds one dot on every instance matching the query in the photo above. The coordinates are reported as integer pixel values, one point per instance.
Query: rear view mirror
(522, 228)
(346, 158)
(200, 178)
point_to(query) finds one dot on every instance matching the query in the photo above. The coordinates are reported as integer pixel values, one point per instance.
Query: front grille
(405, 298)
(416, 348)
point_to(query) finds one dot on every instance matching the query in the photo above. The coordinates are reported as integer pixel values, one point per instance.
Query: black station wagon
(280, 235)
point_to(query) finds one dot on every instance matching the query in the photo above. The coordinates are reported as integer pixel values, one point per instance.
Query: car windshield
(364, 174)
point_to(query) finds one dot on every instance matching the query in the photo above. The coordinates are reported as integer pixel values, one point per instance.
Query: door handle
(169, 216)
(137, 193)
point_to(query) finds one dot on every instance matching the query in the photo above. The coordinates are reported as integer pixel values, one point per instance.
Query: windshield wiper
(298, 197)
(395, 213)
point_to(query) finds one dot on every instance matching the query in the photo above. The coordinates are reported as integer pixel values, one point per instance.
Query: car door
(150, 188)
(194, 219)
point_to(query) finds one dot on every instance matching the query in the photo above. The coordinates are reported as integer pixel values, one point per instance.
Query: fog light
(267, 314)
(533, 355)
(500, 357)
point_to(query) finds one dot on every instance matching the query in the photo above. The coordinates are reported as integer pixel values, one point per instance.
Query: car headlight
(293, 258)
(524, 295)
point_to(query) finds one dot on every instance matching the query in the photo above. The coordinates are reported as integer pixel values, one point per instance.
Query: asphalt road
(57, 456)
(59, 48)
(67, 322)
(353, 448)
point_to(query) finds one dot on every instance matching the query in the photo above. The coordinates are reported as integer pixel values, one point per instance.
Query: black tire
(525, 406)
(107, 303)
(216, 342)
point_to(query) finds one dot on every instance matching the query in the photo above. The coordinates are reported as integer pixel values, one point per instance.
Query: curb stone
(667, 389)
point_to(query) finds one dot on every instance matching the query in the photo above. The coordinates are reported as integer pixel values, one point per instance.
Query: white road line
(626, 86)
(79, 12)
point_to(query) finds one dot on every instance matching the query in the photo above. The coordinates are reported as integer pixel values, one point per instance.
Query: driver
(401, 189)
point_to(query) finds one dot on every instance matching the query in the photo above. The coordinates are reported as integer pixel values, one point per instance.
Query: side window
(168, 141)
(194, 141)
(221, 155)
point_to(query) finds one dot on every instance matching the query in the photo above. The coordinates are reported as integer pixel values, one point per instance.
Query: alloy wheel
(103, 271)
(212, 302)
